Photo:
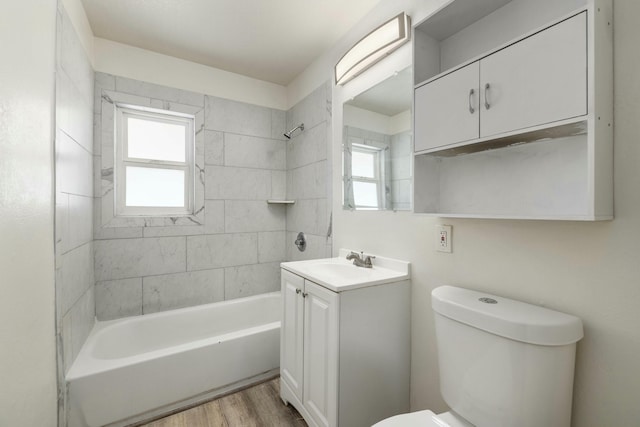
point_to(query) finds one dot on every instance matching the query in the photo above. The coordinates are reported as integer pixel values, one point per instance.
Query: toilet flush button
(487, 300)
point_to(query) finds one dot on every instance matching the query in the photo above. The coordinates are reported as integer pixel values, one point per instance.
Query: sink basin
(339, 274)
(341, 271)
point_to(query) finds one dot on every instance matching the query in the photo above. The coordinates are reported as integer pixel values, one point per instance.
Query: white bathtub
(137, 367)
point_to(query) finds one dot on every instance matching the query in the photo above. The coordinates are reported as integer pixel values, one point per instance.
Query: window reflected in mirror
(377, 146)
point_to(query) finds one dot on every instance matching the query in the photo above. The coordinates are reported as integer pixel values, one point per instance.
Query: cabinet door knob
(298, 291)
(486, 96)
(471, 109)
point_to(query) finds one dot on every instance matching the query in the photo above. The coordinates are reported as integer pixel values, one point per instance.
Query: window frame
(122, 160)
(377, 174)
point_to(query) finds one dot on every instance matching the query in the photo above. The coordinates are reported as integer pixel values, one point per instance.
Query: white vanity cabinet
(309, 340)
(513, 110)
(344, 355)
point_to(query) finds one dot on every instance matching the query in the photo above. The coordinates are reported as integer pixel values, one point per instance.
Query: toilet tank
(504, 363)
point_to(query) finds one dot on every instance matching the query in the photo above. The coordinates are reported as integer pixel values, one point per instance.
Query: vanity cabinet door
(446, 109)
(539, 80)
(320, 354)
(291, 331)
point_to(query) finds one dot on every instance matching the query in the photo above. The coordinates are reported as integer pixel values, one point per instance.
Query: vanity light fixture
(373, 47)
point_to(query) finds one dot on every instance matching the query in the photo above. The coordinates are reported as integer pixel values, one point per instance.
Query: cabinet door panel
(538, 80)
(291, 332)
(443, 109)
(320, 354)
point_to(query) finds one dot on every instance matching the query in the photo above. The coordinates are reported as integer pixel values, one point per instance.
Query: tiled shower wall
(232, 247)
(75, 307)
(309, 175)
(234, 244)
(401, 170)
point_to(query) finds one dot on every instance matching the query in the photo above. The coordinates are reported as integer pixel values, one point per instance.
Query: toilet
(502, 363)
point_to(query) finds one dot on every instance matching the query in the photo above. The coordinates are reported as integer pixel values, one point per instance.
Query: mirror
(377, 146)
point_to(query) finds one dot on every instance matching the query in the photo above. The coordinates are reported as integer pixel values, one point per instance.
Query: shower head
(288, 134)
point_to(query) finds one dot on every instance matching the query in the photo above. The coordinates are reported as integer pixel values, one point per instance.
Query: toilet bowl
(424, 418)
(501, 363)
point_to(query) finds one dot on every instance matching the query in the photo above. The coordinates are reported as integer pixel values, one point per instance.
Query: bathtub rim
(86, 364)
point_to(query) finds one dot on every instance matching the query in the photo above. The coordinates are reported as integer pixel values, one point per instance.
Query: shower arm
(288, 134)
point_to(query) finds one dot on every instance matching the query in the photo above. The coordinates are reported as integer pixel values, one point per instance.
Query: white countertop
(339, 274)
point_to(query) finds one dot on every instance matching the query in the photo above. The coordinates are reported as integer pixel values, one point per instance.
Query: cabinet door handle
(486, 96)
(304, 294)
(471, 109)
(298, 291)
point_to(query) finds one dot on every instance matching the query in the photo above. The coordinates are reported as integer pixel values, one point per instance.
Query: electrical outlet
(443, 238)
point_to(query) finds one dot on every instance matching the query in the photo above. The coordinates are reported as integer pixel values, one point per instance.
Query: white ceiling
(271, 40)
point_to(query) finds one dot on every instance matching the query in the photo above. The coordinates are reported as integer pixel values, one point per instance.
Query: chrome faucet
(359, 260)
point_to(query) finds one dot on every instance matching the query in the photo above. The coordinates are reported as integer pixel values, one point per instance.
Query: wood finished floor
(257, 406)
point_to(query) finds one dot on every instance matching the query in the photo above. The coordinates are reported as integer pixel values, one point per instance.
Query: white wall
(587, 269)
(365, 119)
(140, 64)
(123, 60)
(27, 331)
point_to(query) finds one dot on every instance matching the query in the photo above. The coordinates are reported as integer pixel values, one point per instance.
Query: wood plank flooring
(257, 406)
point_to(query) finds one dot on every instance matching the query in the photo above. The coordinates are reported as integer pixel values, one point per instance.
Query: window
(154, 162)
(366, 176)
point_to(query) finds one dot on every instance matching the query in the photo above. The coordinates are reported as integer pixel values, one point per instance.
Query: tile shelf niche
(513, 112)
(280, 202)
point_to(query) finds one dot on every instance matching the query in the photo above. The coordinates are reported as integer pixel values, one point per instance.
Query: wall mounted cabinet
(363, 334)
(513, 110)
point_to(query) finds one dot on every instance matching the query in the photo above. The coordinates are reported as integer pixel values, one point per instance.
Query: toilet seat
(424, 418)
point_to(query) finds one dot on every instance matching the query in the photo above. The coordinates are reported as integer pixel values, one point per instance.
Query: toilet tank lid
(506, 317)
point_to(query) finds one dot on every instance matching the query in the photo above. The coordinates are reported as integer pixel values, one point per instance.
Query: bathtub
(135, 368)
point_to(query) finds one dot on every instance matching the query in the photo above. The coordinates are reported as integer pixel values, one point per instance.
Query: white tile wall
(74, 166)
(221, 250)
(214, 217)
(119, 298)
(80, 217)
(308, 172)
(73, 111)
(278, 185)
(75, 276)
(176, 230)
(76, 325)
(157, 264)
(74, 197)
(250, 280)
(317, 247)
(232, 183)
(172, 291)
(74, 287)
(264, 153)
(278, 124)
(128, 258)
(214, 147)
(308, 182)
(272, 246)
(245, 216)
(309, 216)
(74, 61)
(237, 117)
(308, 147)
